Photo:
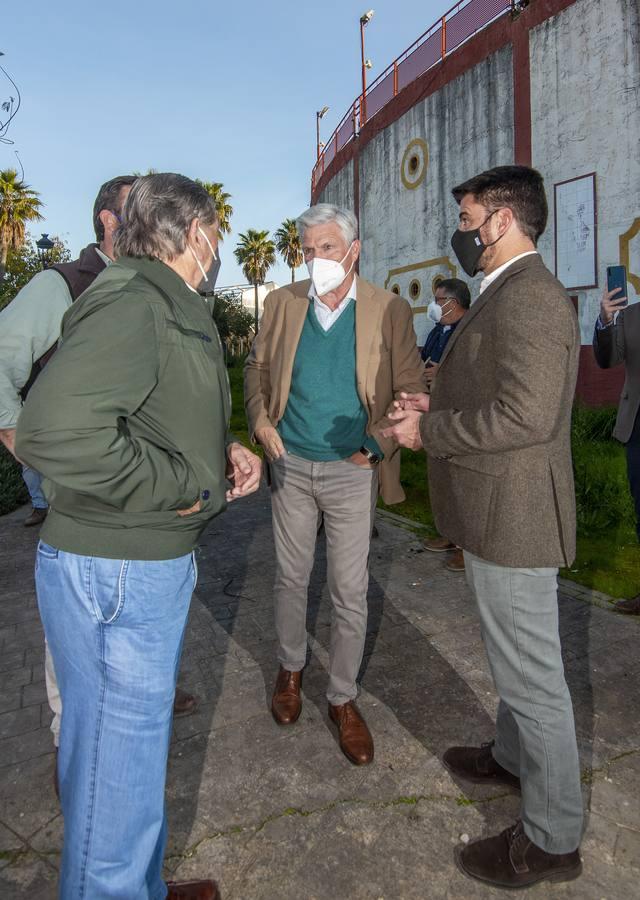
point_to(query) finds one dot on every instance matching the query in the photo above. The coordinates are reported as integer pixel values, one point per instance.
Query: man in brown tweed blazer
(497, 434)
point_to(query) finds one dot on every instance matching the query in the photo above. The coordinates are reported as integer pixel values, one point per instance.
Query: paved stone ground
(279, 813)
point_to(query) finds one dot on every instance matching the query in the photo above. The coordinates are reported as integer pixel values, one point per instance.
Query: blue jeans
(115, 630)
(33, 481)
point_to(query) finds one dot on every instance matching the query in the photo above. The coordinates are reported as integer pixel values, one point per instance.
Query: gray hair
(158, 213)
(323, 213)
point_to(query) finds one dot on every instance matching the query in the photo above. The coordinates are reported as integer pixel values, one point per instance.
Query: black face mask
(468, 247)
(207, 286)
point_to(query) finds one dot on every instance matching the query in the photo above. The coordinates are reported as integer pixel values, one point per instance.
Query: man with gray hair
(331, 355)
(129, 425)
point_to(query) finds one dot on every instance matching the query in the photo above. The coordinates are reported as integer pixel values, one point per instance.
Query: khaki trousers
(345, 494)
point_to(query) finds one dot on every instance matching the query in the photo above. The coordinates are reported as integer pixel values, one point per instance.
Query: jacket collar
(89, 261)
(532, 261)
(159, 274)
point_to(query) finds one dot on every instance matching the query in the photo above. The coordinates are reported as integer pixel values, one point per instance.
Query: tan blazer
(387, 362)
(620, 343)
(498, 434)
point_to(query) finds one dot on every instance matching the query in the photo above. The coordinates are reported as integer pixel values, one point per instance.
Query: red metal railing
(455, 27)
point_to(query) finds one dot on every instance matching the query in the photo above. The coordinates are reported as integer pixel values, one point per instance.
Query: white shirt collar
(325, 316)
(103, 256)
(484, 284)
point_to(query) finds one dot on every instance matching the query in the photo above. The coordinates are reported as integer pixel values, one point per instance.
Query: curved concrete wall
(558, 88)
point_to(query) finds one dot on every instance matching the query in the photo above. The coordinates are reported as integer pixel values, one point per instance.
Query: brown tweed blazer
(498, 433)
(387, 362)
(620, 343)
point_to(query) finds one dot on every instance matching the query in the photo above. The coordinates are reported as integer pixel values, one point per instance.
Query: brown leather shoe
(183, 703)
(192, 890)
(35, 517)
(286, 704)
(628, 607)
(477, 765)
(355, 738)
(438, 544)
(511, 860)
(455, 563)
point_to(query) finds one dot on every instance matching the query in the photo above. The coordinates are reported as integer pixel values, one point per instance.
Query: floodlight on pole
(366, 64)
(319, 115)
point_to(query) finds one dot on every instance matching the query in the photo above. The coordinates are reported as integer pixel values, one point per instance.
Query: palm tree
(224, 208)
(289, 246)
(256, 253)
(18, 205)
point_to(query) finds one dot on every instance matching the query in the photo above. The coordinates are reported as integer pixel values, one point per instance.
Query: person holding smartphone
(616, 341)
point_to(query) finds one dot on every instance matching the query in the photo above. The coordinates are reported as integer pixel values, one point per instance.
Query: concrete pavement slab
(280, 813)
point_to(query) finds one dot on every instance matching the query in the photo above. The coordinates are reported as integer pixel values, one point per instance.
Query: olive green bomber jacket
(129, 421)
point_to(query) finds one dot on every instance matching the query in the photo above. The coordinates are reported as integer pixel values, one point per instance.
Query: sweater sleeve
(29, 326)
(73, 427)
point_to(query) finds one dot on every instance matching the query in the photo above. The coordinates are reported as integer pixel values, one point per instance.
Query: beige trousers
(345, 494)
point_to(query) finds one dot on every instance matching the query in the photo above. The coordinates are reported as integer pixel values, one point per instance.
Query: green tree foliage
(289, 246)
(24, 263)
(221, 199)
(19, 204)
(256, 253)
(230, 316)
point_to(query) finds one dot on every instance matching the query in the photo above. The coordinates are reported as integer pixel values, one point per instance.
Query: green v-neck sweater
(325, 418)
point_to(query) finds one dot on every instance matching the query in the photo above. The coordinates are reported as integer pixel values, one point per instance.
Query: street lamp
(366, 64)
(45, 245)
(319, 115)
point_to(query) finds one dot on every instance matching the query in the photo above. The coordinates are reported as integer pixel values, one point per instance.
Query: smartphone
(617, 278)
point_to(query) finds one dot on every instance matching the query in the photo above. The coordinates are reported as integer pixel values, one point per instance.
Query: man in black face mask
(496, 429)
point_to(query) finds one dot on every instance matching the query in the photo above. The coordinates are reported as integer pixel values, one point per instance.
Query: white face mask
(435, 311)
(195, 255)
(327, 274)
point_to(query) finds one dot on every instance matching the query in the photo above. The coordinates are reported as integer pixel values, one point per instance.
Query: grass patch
(608, 556)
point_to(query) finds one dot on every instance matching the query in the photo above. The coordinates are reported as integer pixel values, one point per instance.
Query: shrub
(13, 491)
(603, 501)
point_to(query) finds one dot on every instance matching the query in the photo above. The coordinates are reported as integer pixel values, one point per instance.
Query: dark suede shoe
(628, 607)
(184, 703)
(511, 860)
(286, 704)
(355, 738)
(476, 764)
(36, 516)
(192, 890)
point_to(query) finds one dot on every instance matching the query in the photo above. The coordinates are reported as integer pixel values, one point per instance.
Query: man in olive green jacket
(129, 425)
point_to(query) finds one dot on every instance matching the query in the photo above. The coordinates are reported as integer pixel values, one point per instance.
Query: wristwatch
(372, 458)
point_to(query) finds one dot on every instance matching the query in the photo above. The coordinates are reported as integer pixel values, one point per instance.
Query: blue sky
(219, 91)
